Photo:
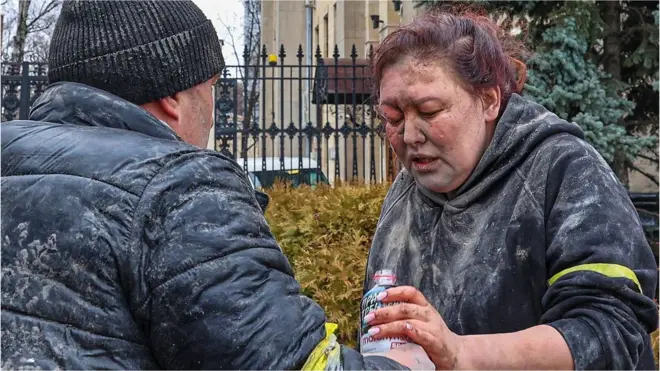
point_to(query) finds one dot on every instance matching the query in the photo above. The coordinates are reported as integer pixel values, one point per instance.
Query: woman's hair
(478, 52)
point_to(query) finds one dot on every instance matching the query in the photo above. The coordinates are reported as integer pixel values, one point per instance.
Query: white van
(264, 177)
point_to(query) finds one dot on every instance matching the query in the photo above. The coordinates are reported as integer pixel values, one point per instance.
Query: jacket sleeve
(221, 294)
(601, 271)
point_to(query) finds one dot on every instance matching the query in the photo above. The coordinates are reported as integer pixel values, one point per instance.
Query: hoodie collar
(79, 104)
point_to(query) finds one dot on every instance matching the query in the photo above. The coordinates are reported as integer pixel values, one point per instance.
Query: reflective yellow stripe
(609, 270)
(326, 353)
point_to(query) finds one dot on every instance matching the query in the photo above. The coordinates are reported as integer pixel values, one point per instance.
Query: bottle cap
(385, 277)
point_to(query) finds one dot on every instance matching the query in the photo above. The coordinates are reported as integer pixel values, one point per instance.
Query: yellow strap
(609, 270)
(327, 349)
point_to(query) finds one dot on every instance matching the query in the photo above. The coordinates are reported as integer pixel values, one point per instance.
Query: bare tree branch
(232, 42)
(249, 36)
(655, 160)
(20, 37)
(248, 70)
(45, 11)
(650, 176)
(31, 24)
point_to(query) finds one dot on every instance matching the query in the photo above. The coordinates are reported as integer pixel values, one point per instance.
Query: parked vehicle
(287, 169)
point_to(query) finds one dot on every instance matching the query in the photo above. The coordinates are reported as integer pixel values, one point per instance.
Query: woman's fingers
(440, 346)
(423, 338)
(396, 312)
(403, 293)
(414, 329)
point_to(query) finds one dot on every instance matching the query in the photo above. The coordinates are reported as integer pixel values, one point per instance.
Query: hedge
(326, 234)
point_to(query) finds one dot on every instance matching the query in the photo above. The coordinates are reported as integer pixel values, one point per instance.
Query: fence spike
(300, 53)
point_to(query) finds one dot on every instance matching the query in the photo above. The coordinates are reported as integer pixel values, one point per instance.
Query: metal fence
(278, 115)
(22, 83)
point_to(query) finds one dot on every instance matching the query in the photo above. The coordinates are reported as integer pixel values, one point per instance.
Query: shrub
(326, 234)
(655, 340)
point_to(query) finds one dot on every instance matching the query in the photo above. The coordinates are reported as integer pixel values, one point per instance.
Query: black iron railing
(278, 115)
(274, 115)
(22, 83)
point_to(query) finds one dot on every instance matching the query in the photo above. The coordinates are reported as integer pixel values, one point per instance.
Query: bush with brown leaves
(326, 234)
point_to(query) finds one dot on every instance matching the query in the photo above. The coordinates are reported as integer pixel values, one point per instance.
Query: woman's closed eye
(429, 114)
(395, 122)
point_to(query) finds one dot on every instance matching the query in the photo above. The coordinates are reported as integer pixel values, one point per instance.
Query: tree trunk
(18, 44)
(612, 63)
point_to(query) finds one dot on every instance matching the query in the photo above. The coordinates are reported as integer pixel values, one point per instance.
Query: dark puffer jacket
(125, 248)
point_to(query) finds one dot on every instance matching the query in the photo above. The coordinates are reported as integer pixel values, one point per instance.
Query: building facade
(341, 33)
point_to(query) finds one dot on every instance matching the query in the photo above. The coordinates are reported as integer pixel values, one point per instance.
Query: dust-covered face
(436, 128)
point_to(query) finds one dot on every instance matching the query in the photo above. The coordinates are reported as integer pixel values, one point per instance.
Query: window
(334, 22)
(326, 33)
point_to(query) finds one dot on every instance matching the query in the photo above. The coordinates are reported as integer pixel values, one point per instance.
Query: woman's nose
(411, 134)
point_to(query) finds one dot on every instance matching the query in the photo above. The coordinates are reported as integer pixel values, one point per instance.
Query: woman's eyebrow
(428, 98)
(419, 101)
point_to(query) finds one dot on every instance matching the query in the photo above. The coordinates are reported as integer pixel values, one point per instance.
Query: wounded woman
(515, 244)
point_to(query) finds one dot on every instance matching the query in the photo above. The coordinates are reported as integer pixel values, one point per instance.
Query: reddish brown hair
(477, 51)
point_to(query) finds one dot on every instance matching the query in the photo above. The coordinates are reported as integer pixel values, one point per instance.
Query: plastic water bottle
(383, 280)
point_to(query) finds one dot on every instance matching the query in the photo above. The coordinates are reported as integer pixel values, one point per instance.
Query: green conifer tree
(566, 82)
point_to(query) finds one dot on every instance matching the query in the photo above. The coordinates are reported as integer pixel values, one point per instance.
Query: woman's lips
(425, 164)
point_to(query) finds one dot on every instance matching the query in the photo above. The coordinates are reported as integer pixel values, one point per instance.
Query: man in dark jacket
(124, 245)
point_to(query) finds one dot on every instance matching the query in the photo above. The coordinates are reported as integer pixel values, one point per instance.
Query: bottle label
(367, 342)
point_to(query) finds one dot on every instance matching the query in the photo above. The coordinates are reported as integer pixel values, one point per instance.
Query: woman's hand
(418, 320)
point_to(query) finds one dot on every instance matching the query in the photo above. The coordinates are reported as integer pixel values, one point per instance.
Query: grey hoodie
(516, 246)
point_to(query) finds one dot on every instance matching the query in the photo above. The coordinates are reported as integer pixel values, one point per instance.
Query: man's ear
(492, 99)
(170, 106)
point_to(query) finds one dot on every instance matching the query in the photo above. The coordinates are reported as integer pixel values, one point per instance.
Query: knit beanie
(138, 50)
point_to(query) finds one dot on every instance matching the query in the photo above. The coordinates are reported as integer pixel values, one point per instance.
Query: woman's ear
(491, 99)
